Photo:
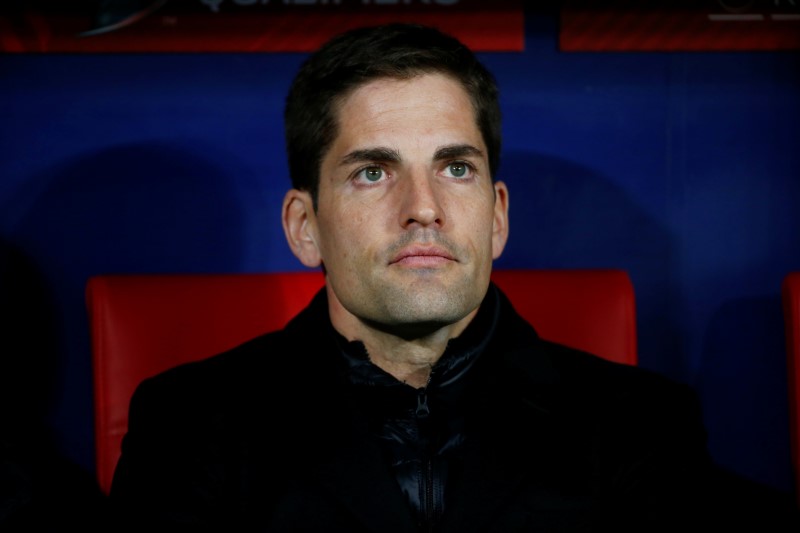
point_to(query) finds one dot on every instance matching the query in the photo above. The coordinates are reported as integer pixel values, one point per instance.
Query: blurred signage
(679, 25)
(242, 25)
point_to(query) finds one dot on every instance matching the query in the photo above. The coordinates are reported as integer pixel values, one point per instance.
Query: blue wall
(682, 168)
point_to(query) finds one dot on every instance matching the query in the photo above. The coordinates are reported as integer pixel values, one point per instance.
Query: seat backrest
(790, 294)
(592, 310)
(142, 324)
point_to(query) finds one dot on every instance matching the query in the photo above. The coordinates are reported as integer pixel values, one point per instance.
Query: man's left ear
(500, 221)
(299, 226)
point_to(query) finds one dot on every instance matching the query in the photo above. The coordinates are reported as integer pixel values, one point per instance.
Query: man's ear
(500, 220)
(300, 227)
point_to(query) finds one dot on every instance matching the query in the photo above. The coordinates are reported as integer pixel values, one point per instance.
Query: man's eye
(371, 174)
(458, 170)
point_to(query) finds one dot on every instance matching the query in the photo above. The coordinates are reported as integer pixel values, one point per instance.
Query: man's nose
(421, 201)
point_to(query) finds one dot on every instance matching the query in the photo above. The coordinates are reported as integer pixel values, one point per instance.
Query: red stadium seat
(592, 310)
(142, 324)
(790, 292)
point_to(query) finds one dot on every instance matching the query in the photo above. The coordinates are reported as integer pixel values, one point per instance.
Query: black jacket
(274, 436)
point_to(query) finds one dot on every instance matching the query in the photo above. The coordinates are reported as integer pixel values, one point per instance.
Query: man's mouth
(421, 256)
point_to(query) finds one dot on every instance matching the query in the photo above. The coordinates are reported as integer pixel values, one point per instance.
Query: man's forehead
(377, 107)
(389, 84)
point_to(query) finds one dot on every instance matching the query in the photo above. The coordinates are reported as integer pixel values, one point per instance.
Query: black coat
(268, 437)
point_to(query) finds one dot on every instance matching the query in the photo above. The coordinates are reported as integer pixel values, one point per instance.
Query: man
(409, 396)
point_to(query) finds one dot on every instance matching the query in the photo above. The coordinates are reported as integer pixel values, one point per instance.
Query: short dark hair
(361, 55)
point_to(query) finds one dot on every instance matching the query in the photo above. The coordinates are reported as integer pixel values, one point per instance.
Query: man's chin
(428, 307)
(448, 277)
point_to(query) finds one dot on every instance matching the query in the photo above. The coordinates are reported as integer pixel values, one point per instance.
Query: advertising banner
(242, 25)
(679, 25)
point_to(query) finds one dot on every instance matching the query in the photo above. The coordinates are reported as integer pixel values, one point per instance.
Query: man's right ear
(300, 226)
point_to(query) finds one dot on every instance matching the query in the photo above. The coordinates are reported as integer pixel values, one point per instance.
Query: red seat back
(592, 310)
(790, 293)
(142, 324)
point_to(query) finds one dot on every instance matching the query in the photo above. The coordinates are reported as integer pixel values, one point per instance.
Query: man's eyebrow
(455, 151)
(371, 154)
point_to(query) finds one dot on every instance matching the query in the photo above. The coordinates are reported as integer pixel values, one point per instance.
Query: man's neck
(409, 358)
(410, 361)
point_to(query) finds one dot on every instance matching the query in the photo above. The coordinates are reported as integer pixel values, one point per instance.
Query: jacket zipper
(429, 504)
(427, 477)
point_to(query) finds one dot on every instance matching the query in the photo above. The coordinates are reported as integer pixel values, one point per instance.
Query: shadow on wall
(40, 489)
(134, 208)
(137, 207)
(563, 215)
(745, 411)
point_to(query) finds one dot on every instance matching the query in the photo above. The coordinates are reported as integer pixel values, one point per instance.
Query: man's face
(408, 219)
